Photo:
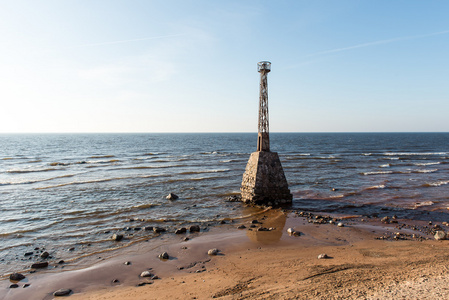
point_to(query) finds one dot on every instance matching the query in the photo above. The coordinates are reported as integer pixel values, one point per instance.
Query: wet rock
(14, 286)
(146, 274)
(440, 235)
(45, 254)
(186, 239)
(158, 229)
(341, 224)
(155, 277)
(172, 196)
(194, 228)
(214, 251)
(222, 222)
(72, 249)
(26, 285)
(241, 227)
(181, 230)
(137, 228)
(148, 228)
(128, 263)
(39, 265)
(385, 220)
(262, 229)
(323, 256)
(16, 277)
(28, 253)
(234, 198)
(115, 281)
(117, 237)
(164, 255)
(255, 222)
(293, 232)
(62, 292)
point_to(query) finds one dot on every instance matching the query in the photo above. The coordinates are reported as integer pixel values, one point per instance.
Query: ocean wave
(203, 172)
(427, 164)
(82, 182)
(101, 156)
(415, 153)
(32, 170)
(375, 187)
(437, 183)
(425, 171)
(377, 173)
(385, 166)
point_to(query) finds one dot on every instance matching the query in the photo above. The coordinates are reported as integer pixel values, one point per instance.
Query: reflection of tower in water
(276, 219)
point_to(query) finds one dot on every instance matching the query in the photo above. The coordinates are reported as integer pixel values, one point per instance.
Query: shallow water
(70, 192)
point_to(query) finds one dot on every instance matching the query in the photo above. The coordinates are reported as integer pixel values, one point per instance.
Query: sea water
(68, 193)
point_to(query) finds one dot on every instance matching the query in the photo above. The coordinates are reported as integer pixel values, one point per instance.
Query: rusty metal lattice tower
(263, 137)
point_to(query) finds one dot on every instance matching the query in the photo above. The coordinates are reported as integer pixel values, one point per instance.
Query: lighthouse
(264, 181)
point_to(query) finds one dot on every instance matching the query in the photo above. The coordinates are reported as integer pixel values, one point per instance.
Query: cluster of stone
(264, 181)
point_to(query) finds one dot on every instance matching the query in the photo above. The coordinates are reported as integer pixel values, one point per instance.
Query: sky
(191, 66)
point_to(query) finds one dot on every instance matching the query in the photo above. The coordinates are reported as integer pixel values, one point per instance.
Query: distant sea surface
(68, 193)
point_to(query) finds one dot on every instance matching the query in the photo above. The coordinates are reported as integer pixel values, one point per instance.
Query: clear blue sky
(190, 66)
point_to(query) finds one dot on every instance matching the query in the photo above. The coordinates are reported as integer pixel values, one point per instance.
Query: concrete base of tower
(264, 181)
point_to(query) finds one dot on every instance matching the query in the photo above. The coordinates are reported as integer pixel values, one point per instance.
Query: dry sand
(264, 265)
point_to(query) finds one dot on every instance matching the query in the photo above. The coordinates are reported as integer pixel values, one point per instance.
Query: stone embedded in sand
(293, 232)
(39, 265)
(194, 228)
(213, 251)
(181, 230)
(117, 237)
(45, 254)
(14, 286)
(16, 277)
(323, 256)
(341, 224)
(164, 255)
(440, 235)
(172, 196)
(158, 229)
(62, 292)
(241, 227)
(146, 274)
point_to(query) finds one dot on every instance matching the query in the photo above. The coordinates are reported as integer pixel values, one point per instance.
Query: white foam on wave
(374, 187)
(378, 173)
(414, 153)
(385, 166)
(439, 183)
(426, 171)
(425, 203)
(428, 164)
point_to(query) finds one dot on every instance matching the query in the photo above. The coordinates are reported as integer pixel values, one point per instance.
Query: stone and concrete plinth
(264, 181)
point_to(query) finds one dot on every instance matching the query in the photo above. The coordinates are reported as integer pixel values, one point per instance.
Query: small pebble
(323, 256)
(62, 292)
(213, 251)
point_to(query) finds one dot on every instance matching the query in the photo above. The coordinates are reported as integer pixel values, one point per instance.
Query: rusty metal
(263, 139)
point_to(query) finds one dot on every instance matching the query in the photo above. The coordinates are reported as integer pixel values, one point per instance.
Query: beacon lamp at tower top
(264, 66)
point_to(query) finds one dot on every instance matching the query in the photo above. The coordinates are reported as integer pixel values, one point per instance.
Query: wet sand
(367, 260)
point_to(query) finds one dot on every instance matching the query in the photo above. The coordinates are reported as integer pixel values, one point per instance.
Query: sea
(68, 193)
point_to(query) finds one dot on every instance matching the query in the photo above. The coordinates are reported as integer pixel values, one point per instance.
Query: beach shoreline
(366, 259)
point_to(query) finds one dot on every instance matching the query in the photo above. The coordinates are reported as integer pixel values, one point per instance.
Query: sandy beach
(367, 259)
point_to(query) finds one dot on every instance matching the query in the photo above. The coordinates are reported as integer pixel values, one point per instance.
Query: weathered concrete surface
(264, 181)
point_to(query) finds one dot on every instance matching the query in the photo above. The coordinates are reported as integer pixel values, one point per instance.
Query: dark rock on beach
(62, 292)
(16, 277)
(39, 265)
(164, 255)
(158, 229)
(14, 286)
(194, 228)
(117, 237)
(181, 230)
(45, 254)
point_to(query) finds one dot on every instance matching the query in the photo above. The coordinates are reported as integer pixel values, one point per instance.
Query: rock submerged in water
(16, 277)
(172, 196)
(62, 292)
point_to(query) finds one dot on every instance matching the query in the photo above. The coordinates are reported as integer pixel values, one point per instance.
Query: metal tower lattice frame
(263, 140)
